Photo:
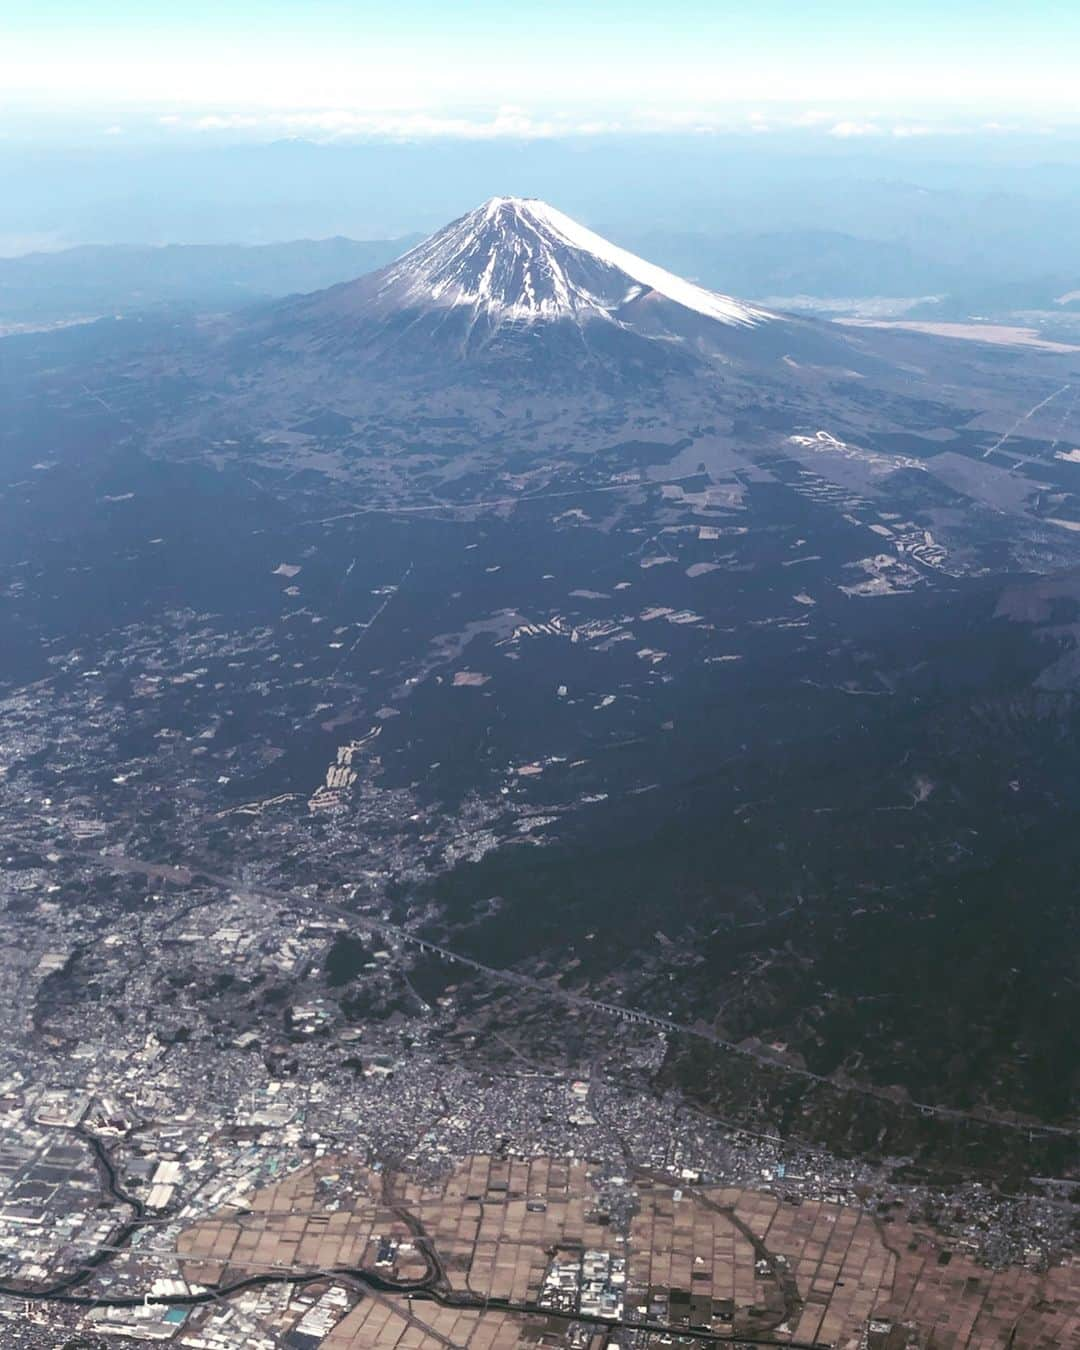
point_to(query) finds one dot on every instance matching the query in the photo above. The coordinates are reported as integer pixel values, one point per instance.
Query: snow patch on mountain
(520, 260)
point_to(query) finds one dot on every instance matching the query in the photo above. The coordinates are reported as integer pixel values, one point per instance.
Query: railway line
(621, 1012)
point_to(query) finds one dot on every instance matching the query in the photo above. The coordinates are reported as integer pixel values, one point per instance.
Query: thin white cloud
(338, 123)
(514, 122)
(847, 130)
(813, 117)
(517, 121)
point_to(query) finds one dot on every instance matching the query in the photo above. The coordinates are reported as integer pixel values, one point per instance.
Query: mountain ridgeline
(517, 279)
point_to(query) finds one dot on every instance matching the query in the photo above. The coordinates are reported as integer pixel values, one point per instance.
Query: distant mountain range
(91, 281)
(799, 267)
(830, 264)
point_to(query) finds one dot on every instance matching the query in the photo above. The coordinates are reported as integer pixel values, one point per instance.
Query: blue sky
(517, 68)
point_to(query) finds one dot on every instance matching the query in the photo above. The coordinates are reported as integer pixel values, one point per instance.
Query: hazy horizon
(239, 123)
(422, 70)
(711, 184)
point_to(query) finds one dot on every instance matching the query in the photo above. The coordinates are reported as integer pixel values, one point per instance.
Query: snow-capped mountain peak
(519, 260)
(516, 286)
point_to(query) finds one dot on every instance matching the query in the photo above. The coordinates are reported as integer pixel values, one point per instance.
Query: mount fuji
(519, 260)
(518, 278)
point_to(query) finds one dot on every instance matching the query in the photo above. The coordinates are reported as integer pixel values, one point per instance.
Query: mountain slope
(518, 278)
(519, 260)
